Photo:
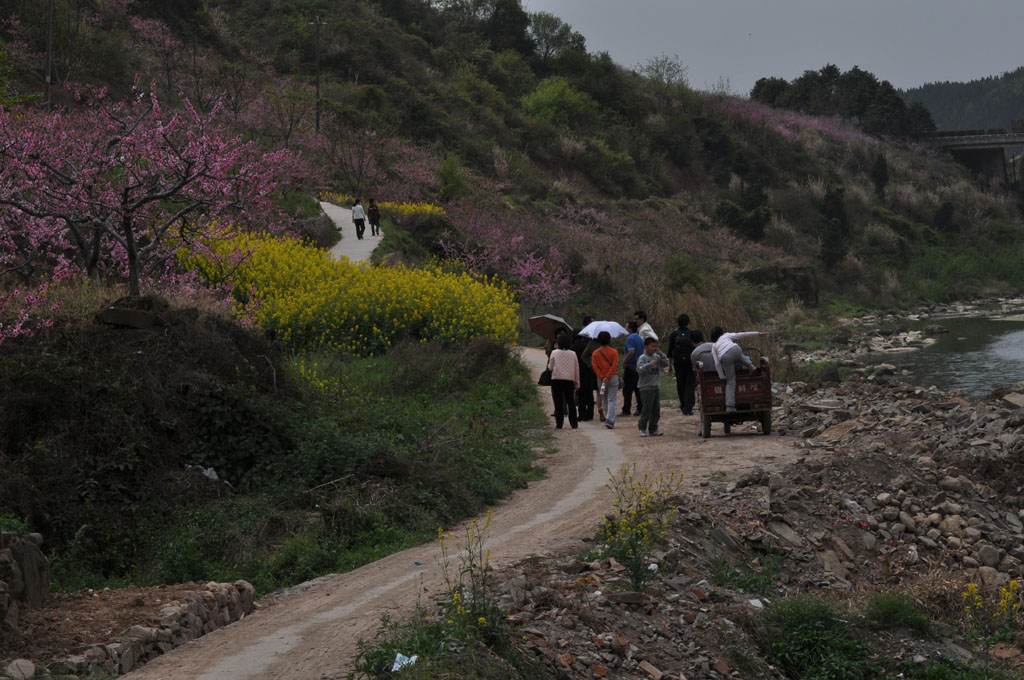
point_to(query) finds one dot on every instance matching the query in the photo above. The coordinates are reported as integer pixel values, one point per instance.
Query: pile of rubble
(900, 486)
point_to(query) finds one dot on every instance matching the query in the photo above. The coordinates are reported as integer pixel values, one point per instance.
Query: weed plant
(886, 611)
(466, 636)
(643, 510)
(756, 575)
(988, 622)
(809, 638)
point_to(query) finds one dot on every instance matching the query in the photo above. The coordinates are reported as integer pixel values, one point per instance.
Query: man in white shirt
(644, 329)
(359, 219)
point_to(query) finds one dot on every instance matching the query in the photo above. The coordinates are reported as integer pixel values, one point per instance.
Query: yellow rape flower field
(314, 302)
(397, 210)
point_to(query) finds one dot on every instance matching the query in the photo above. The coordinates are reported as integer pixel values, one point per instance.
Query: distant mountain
(979, 104)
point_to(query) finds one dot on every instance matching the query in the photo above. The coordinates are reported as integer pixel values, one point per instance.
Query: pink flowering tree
(111, 189)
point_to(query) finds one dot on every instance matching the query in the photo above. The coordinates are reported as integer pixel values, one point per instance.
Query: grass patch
(886, 611)
(810, 637)
(755, 576)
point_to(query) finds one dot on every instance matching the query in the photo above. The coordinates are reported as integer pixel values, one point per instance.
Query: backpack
(682, 347)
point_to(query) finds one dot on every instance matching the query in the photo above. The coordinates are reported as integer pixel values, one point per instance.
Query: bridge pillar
(988, 162)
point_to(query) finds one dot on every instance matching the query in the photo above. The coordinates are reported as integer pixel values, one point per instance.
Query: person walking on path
(565, 379)
(727, 355)
(634, 348)
(373, 214)
(359, 219)
(605, 360)
(588, 381)
(649, 366)
(642, 327)
(680, 346)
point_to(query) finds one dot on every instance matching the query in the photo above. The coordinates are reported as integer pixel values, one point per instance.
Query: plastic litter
(401, 661)
(419, 564)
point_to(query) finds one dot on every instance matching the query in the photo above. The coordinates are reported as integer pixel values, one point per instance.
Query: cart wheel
(728, 428)
(705, 426)
(766, 422)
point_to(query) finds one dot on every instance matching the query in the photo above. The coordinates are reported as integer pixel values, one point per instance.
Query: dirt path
(354, 249)
(311, 633)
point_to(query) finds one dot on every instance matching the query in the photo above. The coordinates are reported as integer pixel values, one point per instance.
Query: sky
(735, 42)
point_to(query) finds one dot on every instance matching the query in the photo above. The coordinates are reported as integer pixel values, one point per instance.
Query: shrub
(452, 179)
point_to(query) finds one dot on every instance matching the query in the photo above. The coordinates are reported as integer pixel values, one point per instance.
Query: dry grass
(881, 236)
(794, 314)
(572, 147)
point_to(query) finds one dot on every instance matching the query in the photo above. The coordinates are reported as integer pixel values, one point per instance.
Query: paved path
(349, 246)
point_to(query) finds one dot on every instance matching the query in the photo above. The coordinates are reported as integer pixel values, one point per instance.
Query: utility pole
(49, 50)
(316, 23)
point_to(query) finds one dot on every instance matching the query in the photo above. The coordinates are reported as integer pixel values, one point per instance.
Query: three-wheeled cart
(753, 397)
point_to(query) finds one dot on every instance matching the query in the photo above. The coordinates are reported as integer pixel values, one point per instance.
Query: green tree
(769, 90)
(880, 175)
(835, 236)
(452, 178)
(856, 90)
(552, 36)
(559, 103)
(667, 73)
(506, 26)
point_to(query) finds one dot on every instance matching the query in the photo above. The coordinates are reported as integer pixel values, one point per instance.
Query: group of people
(359, 217)
(580, 366)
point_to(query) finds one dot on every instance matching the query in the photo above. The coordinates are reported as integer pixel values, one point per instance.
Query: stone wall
(24, 577)
(213, 607)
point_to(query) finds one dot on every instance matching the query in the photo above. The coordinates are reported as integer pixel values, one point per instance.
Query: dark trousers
(375, 228)
(686, 385)
(629, 390)
(562, 393)
(360, 227)
(651, 414)
(585, 400)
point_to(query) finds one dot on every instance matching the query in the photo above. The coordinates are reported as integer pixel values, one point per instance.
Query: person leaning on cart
(727, 355)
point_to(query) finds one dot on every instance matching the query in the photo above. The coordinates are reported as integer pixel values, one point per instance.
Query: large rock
(1014, 399)
(20, 669)
(32, 567)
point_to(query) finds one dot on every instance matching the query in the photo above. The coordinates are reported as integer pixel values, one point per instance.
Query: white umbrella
(594, 328)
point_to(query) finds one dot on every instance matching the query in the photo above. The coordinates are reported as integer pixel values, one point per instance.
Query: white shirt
(726, 342)
(357, 212)
(646, 331)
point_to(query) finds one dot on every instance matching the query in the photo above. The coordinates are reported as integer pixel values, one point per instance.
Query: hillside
(986, 103)
(569, 160)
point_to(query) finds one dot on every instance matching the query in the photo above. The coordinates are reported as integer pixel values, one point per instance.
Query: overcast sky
(907, 42)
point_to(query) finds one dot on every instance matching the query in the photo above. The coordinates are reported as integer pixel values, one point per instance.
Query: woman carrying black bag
(565, 380)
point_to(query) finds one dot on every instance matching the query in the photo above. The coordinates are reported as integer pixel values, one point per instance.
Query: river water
(978, 354)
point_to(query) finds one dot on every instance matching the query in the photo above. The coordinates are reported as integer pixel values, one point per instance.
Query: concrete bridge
(982, 151)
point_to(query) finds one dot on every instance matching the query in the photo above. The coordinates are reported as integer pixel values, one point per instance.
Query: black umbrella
(548, 325)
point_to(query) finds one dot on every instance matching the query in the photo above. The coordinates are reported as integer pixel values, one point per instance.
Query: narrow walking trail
(354, 249)
(310, 633)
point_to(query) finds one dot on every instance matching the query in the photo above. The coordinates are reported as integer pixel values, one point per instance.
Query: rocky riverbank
(901, 489)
